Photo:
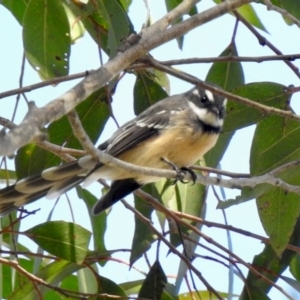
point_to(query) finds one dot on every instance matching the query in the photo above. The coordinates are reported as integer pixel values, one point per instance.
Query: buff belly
(181, 148)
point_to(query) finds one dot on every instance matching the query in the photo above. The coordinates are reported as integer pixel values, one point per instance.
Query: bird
(172, 133)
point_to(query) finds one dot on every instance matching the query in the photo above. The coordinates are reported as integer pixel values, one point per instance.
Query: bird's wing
(147, 124)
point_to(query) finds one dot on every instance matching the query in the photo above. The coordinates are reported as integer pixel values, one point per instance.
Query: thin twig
(231, 228)
(220, 172)
(63, 152)
(230, 58)
(234, 262)
(189, 78)
(208, 239)
(81, 135)
(281, 11)
(264, 42)
(173, 249)
(54, 81)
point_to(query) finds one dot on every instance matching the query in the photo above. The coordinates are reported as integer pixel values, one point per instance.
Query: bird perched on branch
(178, 129)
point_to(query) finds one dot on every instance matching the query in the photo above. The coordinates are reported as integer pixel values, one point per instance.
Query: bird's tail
(50, 183)
(55, 181)
(118, 190)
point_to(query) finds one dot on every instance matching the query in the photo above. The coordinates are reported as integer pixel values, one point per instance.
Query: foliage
(73, 264)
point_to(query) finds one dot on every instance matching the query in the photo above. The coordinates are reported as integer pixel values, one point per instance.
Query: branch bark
(152, 37)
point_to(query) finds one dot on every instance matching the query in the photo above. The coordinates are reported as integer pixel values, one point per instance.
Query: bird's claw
(185, 170)
(181, 172)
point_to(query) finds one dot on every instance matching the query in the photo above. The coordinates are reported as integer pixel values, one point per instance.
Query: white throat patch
(206, 116)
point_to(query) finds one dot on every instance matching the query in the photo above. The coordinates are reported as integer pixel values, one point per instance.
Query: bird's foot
(181, 172)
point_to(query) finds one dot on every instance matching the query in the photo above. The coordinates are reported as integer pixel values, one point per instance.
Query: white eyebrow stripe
(210, 95)
(196, 92)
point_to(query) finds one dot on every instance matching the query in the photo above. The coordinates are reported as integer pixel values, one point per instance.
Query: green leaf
(154, 283)
(31, 159)
(109, 287)
(270, 265)
(68, 241)
(131, 287)
(254, 293)
(162, 79)
(190, 246)
(98, 223)
(190, 198)
(94, 108)
(248, 12)
(16, 7)
(77, 29)
(276, 142)
(147, 91)
(204, 295)
(87, 283)
(53, 295)
(47, 38)
(186, 198)
(163, 193)
(295, 266)
(292, 7)
(70, 283)
(246, 195)
(53, 273)
(125, 3)
(92, 21)
(214, 156)
(278, 212)
(7, 175)
(267, 93)
(9, 239)
(182, 197)
(106, 21)
(228, 75)
(143, 236)
(119, 26)
(193, 11)
(7, 276)
(171, 4)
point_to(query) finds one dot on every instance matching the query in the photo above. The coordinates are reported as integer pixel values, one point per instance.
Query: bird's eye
(204, 99)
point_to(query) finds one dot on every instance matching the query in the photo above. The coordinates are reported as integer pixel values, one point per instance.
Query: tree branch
(264, 42)
(39, 85)
(152, 37)
(174, 250)
(208, 239)
(281, 11)
(63, 152)
(189, 78)
(193, 60)
(258, 59)
(231, 228)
